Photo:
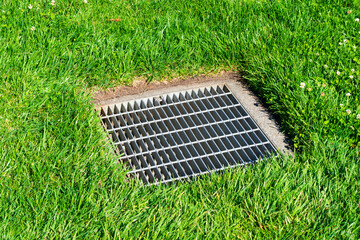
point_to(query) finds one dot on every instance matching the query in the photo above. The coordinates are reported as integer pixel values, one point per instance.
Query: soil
(140, 86)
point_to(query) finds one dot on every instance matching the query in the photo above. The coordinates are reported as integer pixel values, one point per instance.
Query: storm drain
(185, 134)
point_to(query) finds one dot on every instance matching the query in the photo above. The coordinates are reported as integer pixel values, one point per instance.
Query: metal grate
(184, 134)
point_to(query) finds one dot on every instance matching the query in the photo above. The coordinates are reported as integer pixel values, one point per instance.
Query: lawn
(59, 178)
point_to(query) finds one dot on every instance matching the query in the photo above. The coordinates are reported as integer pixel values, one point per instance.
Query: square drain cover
(184, 134)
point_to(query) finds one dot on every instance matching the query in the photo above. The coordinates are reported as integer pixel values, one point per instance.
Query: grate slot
(185, 134)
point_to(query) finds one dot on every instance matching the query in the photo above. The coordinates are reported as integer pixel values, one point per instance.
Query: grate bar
(123, 123)
(215, 153)
(189, 142)
(124, 110)
(173, 131)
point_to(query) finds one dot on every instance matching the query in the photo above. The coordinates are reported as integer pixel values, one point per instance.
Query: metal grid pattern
(184, 134)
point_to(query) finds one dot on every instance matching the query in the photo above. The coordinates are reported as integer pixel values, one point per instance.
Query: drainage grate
(185, 134)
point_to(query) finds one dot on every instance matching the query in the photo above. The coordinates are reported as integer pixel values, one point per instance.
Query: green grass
(58, 176)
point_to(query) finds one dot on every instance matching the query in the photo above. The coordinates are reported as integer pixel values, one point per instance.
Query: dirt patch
(140, 86)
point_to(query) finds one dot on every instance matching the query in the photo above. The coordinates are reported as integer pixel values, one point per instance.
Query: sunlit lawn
(59, 178)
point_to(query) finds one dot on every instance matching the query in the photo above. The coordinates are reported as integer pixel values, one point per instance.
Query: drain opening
(184, 134)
